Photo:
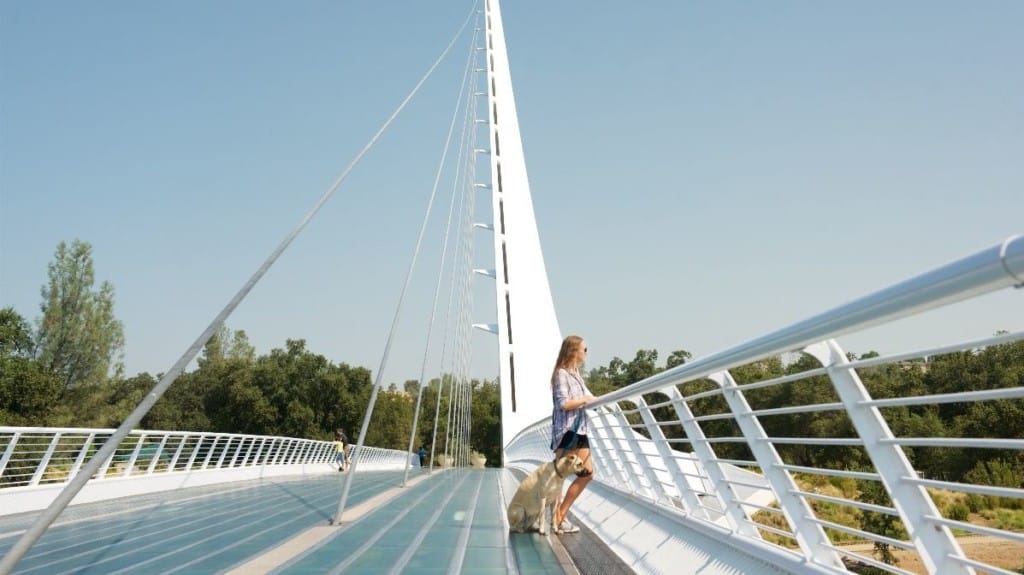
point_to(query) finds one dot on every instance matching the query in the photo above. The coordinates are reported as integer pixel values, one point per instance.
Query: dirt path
(993, 550)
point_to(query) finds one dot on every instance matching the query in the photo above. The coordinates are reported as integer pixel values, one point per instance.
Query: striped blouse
(568, 385)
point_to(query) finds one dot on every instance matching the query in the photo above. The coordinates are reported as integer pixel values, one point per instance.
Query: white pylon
(527, 328)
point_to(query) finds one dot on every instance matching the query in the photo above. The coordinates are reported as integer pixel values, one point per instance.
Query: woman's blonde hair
(570, 345)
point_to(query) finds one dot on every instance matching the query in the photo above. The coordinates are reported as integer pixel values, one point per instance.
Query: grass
(951, 504)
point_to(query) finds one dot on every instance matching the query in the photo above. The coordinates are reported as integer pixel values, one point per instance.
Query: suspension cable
(444, 249)
(459, 273)
(49, 515)
(401, 297)
(460, 424)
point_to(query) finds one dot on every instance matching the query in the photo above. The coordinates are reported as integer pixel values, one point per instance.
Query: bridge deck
(445, 522)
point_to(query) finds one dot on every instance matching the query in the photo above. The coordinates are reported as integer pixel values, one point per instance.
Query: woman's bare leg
(576, 487)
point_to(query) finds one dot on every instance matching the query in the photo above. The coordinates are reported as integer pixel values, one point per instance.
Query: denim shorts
(569, 437)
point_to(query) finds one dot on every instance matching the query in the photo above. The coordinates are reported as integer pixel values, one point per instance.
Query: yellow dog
(540, 490)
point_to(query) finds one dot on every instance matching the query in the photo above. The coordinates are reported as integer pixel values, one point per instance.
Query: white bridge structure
(692, 474)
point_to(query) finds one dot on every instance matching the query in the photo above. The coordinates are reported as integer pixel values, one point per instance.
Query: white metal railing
(36, 462)
(708, 448)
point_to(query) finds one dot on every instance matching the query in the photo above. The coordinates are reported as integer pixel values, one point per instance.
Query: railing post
(690, 502)
(102, 471)
(731, 508)
(281, 457)
(935, 543)
(324, 454)
(9, 451)
(209, 452)
(195, 452)
(248, 452)
(302, 451)
(237, 451)
(277, 451)
(610, 454)
(628, 459)
(182, 441)
(156, 456)
(810, 536)
(82, 453)
(45, 461)
(257, 460)
(134, 457)
(657, 490)
(224, 452)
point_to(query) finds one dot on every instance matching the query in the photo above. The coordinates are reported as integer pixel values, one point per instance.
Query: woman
(569, 422)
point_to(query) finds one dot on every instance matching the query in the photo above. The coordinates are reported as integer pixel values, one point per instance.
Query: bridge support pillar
(727, 498)
(935, 543)
(809, 535)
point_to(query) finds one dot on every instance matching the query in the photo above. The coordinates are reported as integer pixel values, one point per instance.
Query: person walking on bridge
(340, 445)
(570, 397)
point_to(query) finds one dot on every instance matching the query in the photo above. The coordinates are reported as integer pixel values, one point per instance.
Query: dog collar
(555, 465)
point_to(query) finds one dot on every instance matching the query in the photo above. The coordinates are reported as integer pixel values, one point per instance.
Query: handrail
(988, 270)
(717, 458)
(36, 461)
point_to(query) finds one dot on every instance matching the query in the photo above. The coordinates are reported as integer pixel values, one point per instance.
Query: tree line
(66, 371)
(994, 367)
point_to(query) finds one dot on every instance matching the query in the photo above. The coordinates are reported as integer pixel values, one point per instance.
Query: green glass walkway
(445, 522)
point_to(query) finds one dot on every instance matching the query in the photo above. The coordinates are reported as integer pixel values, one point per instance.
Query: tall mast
(527, 328)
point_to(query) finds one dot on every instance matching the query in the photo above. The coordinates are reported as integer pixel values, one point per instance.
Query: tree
(485, 434)
(226, 345)
(15, 334)
(27, 391)
(391, 422)
(619, 374)
(78, 337)
(181, 407)
(678, 357)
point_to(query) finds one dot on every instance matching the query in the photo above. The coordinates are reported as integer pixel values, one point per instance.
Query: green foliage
(619, 374)
(15, 334)
(181, 406)
(778, 521)
(78, 338)
(881, 523)
(225, 346)
(678, 357)
(1000, 473)
(958, 512)
(391, 423)
(26, 389)
(65, 374)
(1009, 519)
(485, 435)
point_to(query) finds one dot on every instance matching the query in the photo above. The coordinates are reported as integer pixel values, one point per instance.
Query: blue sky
(703, 173)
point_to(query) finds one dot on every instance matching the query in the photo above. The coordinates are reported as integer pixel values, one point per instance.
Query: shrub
(958, 512)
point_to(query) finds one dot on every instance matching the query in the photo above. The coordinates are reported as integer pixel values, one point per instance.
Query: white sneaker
(566, 527)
